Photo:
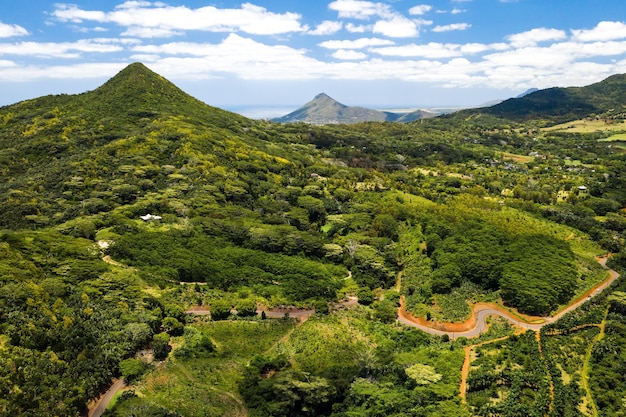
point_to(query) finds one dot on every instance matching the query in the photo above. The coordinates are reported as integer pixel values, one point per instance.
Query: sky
(281, 53)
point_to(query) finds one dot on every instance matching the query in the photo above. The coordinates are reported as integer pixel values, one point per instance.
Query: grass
(106, 234)
(208, 387)
(615, 138)
(518, 158)
(114, 399)
(586, 126)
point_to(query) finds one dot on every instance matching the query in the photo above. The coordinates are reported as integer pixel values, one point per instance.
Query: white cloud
(145, 57)
(236, 55)
(6, 63)
(556, 56)
(430, 50)
(71, 13)
(144, 32)
(452, 27)
(348, 54)
(58, 50)
(420, 9)
(396, 27)
(478, 48)
(59, 72)
(9, 31)
(359, 9)
(534, 36)
(327, 27)
(538, 57)
(168, 20)
(121, 41)
(352, 28)
(457, 11)
(529, 57)
(423, 22)
(604, 31)
(132, 4)
(355, 44)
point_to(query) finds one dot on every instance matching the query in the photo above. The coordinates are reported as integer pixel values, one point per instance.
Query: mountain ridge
(561, 104)
(323, 109)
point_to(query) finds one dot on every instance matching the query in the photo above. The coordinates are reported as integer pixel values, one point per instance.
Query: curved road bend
(478, 322)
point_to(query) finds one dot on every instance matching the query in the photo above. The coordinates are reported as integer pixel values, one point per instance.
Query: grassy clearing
(518, 158)
(586, 126)
(615, 138)
(208, 387)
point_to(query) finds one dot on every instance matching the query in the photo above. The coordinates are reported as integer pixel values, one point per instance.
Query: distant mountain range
(325, 110)
(552, 105)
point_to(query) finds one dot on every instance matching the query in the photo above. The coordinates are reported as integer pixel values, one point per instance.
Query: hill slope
(69, 155)
(560, 105)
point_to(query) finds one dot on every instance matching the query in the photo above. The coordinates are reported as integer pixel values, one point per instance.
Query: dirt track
(477, 323)
(102, 403)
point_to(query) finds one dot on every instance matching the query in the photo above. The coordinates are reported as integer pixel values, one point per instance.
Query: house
(582, 191)
(149, 217)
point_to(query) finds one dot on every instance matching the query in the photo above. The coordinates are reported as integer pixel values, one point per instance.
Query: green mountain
(70, 155)
(559, 105)
(325, 110)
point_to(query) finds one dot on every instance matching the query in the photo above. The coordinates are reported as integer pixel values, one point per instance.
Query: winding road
(472, 327)
(477, 323)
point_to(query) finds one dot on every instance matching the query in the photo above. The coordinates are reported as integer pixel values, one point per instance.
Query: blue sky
(387, 53)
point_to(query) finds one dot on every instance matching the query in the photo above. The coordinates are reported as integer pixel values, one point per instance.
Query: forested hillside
(123, 208)
(559, 105)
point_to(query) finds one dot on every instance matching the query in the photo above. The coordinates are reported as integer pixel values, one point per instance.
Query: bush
(161, 346)
(131, 369)
(366, 296)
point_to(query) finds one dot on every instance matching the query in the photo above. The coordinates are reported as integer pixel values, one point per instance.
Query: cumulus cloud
(352, 28)
(479, 48)
(604, 31)
(534, 36)
(451, 27)
(359, 9)
(396, 27)
(420, 9)
(348, 54)
(9, 31)
(144, 32)
(385, 47)
(155, 18)
(58, 49)
(327, 27)
(355, 44)
(61, 72)
(430, 50)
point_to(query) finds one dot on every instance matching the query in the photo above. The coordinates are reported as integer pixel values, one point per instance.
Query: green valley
(148, 236)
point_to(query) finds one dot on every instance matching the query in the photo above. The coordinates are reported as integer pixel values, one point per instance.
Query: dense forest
(126, 209)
